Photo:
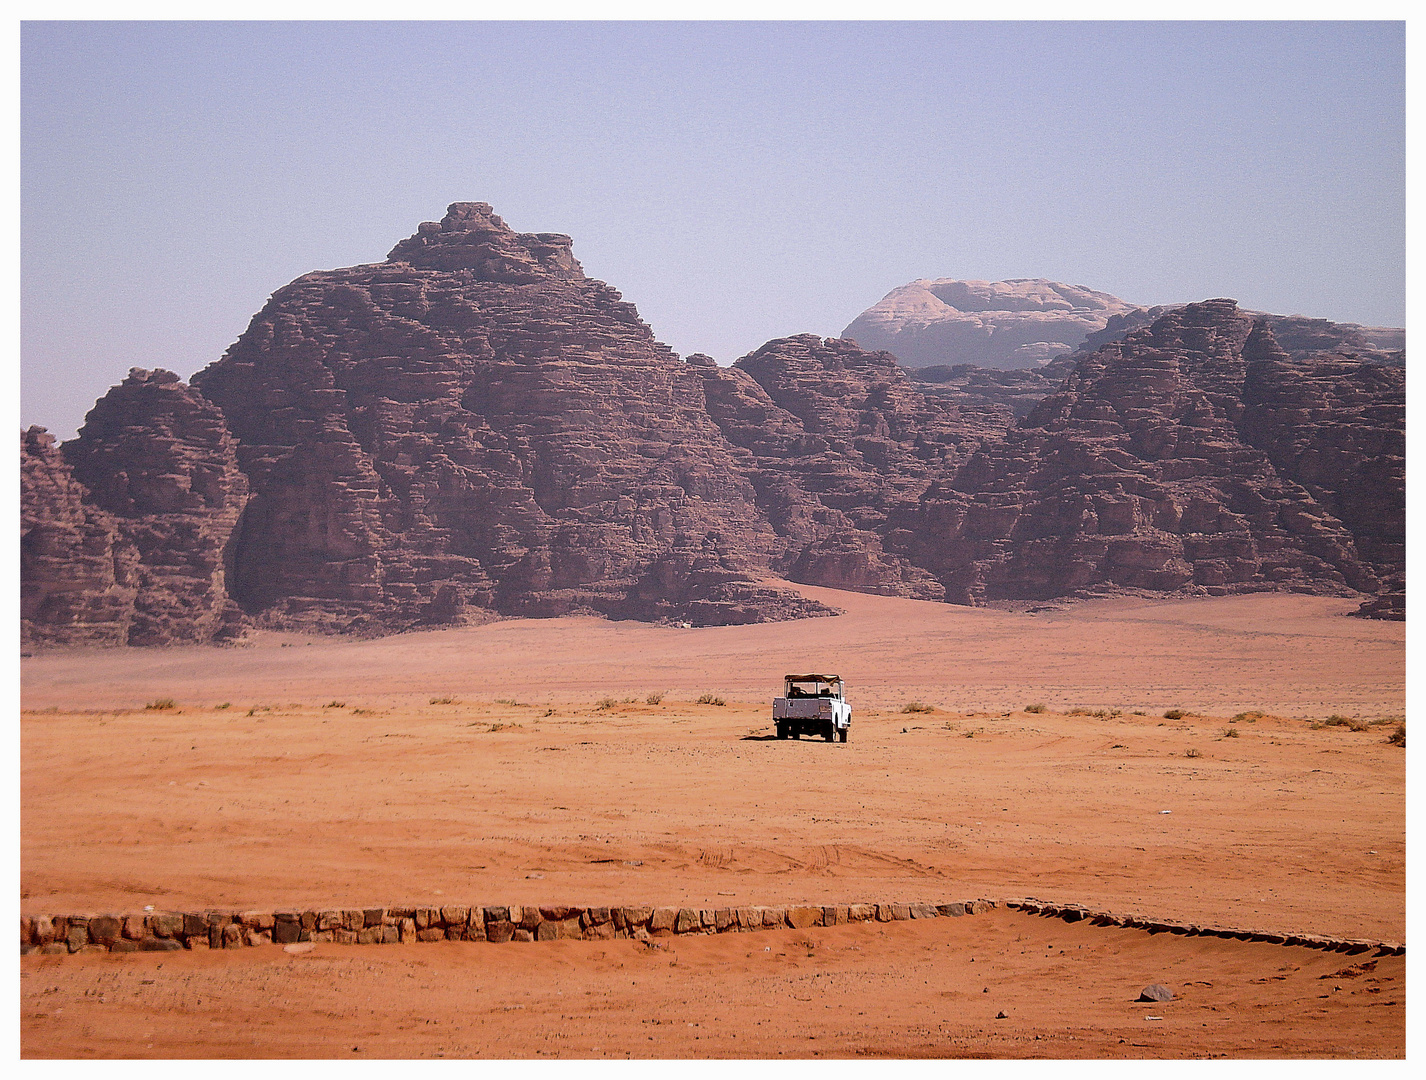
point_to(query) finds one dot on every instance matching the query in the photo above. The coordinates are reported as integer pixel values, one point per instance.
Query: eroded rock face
(158, 460)
(1140, 473)
(1021, 323)
(834, 439)
(475, 425)
(76, 571)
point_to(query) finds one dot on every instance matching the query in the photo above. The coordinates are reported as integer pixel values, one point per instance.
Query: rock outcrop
(159, 460)
(1145, 472)
(472, 426)
(1021, 323)
(834, 439)
(76, 571)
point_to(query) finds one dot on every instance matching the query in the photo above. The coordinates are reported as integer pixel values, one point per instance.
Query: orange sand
(286, 799)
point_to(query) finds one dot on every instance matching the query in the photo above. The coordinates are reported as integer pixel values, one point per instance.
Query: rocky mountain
(1021, 323)
(1178, 459)
(475, 428)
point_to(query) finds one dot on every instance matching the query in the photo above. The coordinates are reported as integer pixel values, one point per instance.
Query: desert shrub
(1358, 725)
(1140, 712)
(1336, 720)
(710, 699)
(1079, 710)
(548, 712)
(627, 701)
(162, 703)
(1398, 737)
(1252, 716)
(363, 712)
(1230, 733)
(1192, 753)
(343, 704)
(653, 699)
(452, 701)
(1173, 714)
(225, 705)
(1034, 708)
(917, 706)
(498, 701)
(605, 703)
(1317, 725)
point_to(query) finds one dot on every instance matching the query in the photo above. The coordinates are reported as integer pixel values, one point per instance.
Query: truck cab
(812, 705)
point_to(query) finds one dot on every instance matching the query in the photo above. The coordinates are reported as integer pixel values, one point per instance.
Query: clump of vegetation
(1230, 733)
(1106, 714)
(654, 699)
(1192, 753)
(1174, 714)
(710, 699)
(548, 712)
(1398, 737)
(498, 701)
(1252, 716)
(335, 705)
(1140, 712)
(1079, 710)
(605, 703)
(1035, 708)
(1336, 720)
(225, 705)
(627, 701)
(917, 706)
(363, 712)
(162, 703)
(452, 701)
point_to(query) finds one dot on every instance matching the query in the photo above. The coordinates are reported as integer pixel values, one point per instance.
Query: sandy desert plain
(521, 762)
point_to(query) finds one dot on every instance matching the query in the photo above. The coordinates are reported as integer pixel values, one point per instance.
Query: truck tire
(831, 733)
(782, 731)
(845, 733)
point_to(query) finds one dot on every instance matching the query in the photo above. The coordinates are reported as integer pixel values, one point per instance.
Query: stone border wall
(56, 935)
(214, 929)
(1077, 912)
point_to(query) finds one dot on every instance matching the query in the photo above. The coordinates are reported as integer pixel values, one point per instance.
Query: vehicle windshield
(813, 688)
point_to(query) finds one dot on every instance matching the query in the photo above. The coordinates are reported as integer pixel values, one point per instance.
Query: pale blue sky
(737, 182)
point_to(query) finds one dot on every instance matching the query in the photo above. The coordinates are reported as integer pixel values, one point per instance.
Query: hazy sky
(737, 182)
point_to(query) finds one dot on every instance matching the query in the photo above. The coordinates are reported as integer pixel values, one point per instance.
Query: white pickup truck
(812, 705)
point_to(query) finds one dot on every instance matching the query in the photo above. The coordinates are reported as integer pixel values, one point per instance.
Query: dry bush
(162, 703)
(452, 701)
(225, 705)
(335, 705)
(1252, 716)
(1230, 733)
(917, 706)
(1034, 708)
(653, 699)
(710, 699)
(1192, 753)
(1173, 714)
(605, 703)
(1077, 711)
(1398, 737)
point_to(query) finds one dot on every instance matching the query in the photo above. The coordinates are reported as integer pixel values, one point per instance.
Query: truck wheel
(830, 734)
(782, 731)
(845, 733)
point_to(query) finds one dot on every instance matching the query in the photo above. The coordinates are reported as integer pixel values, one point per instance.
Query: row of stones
(163, 931)
(1077, 912)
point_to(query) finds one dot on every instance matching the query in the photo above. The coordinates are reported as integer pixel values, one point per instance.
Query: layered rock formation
(474, 427)
(159, 460)
(76, 572)
(834, 439)
(1021, 323)
(1145, 472)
